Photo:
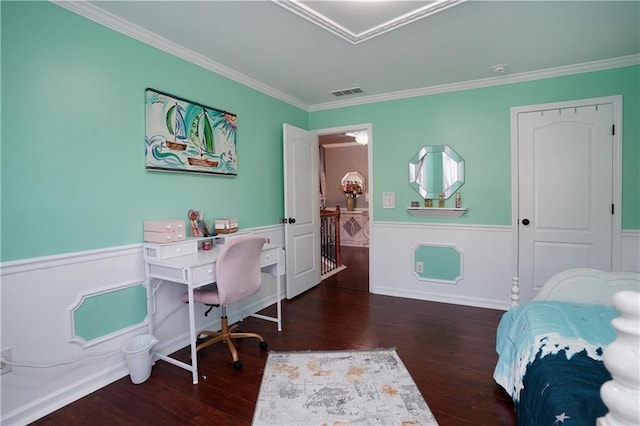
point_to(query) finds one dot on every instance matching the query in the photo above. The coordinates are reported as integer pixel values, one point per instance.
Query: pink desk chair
(237, 276)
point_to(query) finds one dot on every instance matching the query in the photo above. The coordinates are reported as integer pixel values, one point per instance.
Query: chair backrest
(238, 268)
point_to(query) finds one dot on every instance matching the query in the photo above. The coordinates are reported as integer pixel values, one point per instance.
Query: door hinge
(612, 210)
(613, 130)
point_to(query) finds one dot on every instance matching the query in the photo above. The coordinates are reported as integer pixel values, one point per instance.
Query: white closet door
(565, 160)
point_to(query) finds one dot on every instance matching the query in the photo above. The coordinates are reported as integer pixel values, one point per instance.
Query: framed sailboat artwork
(183, 136)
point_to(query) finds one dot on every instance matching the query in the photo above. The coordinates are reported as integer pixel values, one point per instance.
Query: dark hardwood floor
(448, 349)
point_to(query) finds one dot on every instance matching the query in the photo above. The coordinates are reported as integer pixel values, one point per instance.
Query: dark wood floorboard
(356, 276)
(448, 349)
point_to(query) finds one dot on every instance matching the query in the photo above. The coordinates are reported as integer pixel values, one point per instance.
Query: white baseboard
(36, 409)
(440, 298)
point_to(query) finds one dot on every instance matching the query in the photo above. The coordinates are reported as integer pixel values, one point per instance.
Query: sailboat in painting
(204, 143)
(176, 127)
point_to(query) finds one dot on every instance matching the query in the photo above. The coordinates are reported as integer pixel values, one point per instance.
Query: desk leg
(150, 304)
(192, 335)
(278, 307)
(151, 308)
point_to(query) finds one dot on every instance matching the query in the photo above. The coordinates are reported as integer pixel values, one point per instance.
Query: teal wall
(73, 130)
(476, 124)
(73, 175)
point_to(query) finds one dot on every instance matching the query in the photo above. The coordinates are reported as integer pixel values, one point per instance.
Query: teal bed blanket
(550, 361)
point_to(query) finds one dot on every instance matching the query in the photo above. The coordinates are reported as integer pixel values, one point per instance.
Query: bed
(582, 331)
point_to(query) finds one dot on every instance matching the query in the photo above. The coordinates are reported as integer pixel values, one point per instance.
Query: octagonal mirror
(435, 170)
(354, 177)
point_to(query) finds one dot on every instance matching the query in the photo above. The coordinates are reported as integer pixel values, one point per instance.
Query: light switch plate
(388, 200)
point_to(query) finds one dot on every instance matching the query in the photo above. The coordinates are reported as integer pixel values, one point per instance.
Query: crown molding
(327, 24)
(129, 29)
(585, 67)
(102, 17)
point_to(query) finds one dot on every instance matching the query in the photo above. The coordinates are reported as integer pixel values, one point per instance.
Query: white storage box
(164, 231)
(169, 225)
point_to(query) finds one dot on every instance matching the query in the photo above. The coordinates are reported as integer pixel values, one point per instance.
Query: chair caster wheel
(263, 345)
(237, 365)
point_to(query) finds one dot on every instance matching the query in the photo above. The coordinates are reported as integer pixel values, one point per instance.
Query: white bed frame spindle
(622, 394)
(515, 291)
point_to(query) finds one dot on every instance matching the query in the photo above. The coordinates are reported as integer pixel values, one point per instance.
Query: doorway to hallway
(344, 154)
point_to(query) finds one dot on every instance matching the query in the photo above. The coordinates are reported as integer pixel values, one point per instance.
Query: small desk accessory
(226, 226)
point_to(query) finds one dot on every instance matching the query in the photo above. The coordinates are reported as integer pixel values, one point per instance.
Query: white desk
(183, 263)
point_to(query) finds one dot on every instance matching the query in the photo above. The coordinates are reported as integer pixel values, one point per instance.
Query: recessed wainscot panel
(104, 314)
(437, 263)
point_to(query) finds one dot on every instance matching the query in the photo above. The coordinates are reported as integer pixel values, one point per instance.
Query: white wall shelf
(436, 211)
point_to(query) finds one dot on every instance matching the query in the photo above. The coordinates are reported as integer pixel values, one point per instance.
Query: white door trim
(616, 230)
(369, 128)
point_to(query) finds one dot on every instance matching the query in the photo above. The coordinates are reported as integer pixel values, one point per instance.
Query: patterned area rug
(339, 388)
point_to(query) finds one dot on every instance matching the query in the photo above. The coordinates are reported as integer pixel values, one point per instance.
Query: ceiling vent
(345, 92)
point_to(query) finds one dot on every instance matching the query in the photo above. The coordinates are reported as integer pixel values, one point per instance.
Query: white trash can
(139, 357)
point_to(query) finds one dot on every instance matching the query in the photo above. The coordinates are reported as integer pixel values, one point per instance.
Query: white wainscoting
(486, 269)
(36, 294)
(630, 258)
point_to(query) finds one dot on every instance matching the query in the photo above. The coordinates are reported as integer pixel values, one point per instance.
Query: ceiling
(301, 51)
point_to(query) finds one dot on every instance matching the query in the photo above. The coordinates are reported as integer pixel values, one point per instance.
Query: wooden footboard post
(622, 394)
(515, 291)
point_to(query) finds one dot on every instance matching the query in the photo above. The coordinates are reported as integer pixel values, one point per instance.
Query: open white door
(301, 209)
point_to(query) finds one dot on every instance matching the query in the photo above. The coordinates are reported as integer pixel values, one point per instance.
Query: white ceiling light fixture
(362, 137)
(499, 68)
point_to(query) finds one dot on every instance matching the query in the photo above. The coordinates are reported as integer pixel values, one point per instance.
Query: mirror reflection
(435, 170)
(353, 177)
